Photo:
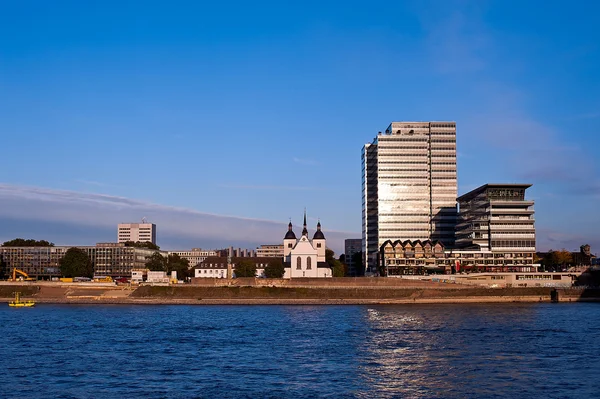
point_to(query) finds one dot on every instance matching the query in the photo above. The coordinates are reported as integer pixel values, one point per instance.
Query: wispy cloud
(83, 211)
(552, 239)
(309, 162)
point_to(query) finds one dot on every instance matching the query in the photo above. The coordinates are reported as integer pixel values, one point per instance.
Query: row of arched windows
(299, 263)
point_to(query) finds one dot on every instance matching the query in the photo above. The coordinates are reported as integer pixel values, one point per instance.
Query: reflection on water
(516, 350)
(411, 351)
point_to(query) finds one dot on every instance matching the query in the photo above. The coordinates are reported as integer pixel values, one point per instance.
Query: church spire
(305, 230)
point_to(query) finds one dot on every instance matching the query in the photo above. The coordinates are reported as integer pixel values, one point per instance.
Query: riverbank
(236, 295)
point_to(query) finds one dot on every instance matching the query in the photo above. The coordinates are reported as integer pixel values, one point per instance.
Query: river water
(395, 351)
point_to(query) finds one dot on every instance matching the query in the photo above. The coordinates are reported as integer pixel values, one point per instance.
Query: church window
(298, 263)
(289, 245)
(318, 245)
(308, 263)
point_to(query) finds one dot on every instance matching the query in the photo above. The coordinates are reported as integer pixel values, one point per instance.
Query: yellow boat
(18, 303)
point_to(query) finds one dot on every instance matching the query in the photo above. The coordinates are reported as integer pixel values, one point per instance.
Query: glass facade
(409, 185)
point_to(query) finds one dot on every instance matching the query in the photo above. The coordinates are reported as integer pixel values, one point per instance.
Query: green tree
(176, 263)
(156, 262)
(275, 269)
(245, 268)
(20, 242)
(562, 257)
(338, 269)
(76, 263)
(142, 244)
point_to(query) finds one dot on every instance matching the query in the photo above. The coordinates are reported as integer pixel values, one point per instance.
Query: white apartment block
(136, 232)
(273, 250)
(195, 256)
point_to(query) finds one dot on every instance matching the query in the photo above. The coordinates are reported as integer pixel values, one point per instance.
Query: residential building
(216, 266)
(274, 250)
(195, 256)
(431, 257)
(109, 259)
(409, 186)
(352, 246)
(136, 232)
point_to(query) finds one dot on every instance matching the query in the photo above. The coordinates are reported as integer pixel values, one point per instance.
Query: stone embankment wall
(195, 294)
(336, 282)
(198, 292)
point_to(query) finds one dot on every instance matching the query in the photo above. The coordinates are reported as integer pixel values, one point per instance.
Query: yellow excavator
(22, 273)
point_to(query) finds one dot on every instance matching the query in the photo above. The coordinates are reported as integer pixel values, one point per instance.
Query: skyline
(257, 111)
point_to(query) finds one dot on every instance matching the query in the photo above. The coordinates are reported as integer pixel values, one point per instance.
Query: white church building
(304, 257)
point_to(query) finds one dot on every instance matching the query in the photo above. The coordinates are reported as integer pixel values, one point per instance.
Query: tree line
(21, 242)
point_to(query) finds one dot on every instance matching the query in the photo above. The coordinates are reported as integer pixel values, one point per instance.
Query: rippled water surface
(412, 351)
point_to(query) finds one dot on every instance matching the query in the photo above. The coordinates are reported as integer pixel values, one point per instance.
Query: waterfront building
(195, 255)
(216, 266)
(351, 247)
(498, 218)
(136, 232)
(304, 257)
(109, 259)
(273, 250)
(495, 233)
(409, 186)
(431, 257)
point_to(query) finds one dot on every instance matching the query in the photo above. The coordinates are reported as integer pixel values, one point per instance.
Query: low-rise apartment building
(216, 267)
(195, 256)
(270, 251)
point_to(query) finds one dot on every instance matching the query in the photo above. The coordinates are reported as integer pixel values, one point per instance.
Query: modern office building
(409, 186)
(109, 259)
(195, 256)
(274, 251)
(136, 232)
(495, 232)
(351, 247)
(497, 218)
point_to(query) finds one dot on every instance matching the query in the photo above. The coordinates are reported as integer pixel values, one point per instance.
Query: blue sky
(259, 109)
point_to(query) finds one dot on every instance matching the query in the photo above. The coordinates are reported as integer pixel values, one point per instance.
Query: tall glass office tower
(409, 185)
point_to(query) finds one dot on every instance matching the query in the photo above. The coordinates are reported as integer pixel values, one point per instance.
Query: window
(298, 263)
(308, 263)
(318, 245)
(289, 245)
